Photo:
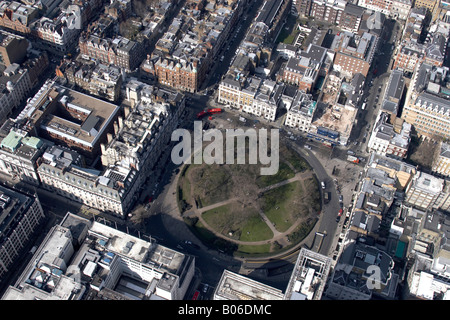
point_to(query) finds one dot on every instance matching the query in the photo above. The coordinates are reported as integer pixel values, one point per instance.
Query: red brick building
(120, 52)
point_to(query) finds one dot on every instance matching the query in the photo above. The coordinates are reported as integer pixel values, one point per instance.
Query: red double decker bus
(195, 296)
(214, 110)
(201, 114)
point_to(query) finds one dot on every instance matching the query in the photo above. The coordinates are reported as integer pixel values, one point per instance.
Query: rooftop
(94, 115)
(395, 86)
(337, 118)
(12, 204)
(445, 150)
(361, 256)
(309, 276)
(233, 286)
(427, 182)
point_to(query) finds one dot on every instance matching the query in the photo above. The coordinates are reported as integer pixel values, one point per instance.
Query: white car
(307, 147)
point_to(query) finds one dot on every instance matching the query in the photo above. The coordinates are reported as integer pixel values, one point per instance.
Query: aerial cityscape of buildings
(91, 92)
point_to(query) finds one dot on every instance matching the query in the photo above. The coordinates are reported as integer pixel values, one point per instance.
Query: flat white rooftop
(233, 286)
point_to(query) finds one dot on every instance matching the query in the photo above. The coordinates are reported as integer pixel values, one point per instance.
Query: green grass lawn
(211, 184)
(288, 37)
(203, 232)
(302, 230)
(278, 205)
(245, 224)
(284, 173)
(186, 185)
(220, 219)
(240, 219)
(294, 159)
(313, 194)
(255, 229)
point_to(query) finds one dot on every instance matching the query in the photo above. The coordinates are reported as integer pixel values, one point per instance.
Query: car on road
(326, 197)
(205, 288)
(322, 184)
(307, 147)
(192, 244)
(341, 198)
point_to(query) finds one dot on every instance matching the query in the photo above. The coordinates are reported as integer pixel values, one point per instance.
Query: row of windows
(79, 194)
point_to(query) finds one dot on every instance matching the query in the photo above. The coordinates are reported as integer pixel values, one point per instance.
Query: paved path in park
(278, 236)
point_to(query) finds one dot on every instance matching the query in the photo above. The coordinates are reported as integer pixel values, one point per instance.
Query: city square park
(235, 209)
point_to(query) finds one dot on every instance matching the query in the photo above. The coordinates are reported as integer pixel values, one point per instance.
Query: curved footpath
(278, 236)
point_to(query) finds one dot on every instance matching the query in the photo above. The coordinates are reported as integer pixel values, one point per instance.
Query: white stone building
(15, 85)
(300, 112)
(441, 162)
(113, 190)
(84, 260)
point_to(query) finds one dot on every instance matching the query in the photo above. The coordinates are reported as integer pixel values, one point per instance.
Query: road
(229, 48)
(375, 86)
(328, 224)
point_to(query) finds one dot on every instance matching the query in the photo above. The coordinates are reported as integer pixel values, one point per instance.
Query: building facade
(15, 85)
(301, 112)
(17, 17)
(353, 53)
(441, 162)
(21, 216)
(304, 69)
(84, 260)
(19, 155)
(386, 139)
(112, 190)
(429, 114)
(427, 192)
(120, 52)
